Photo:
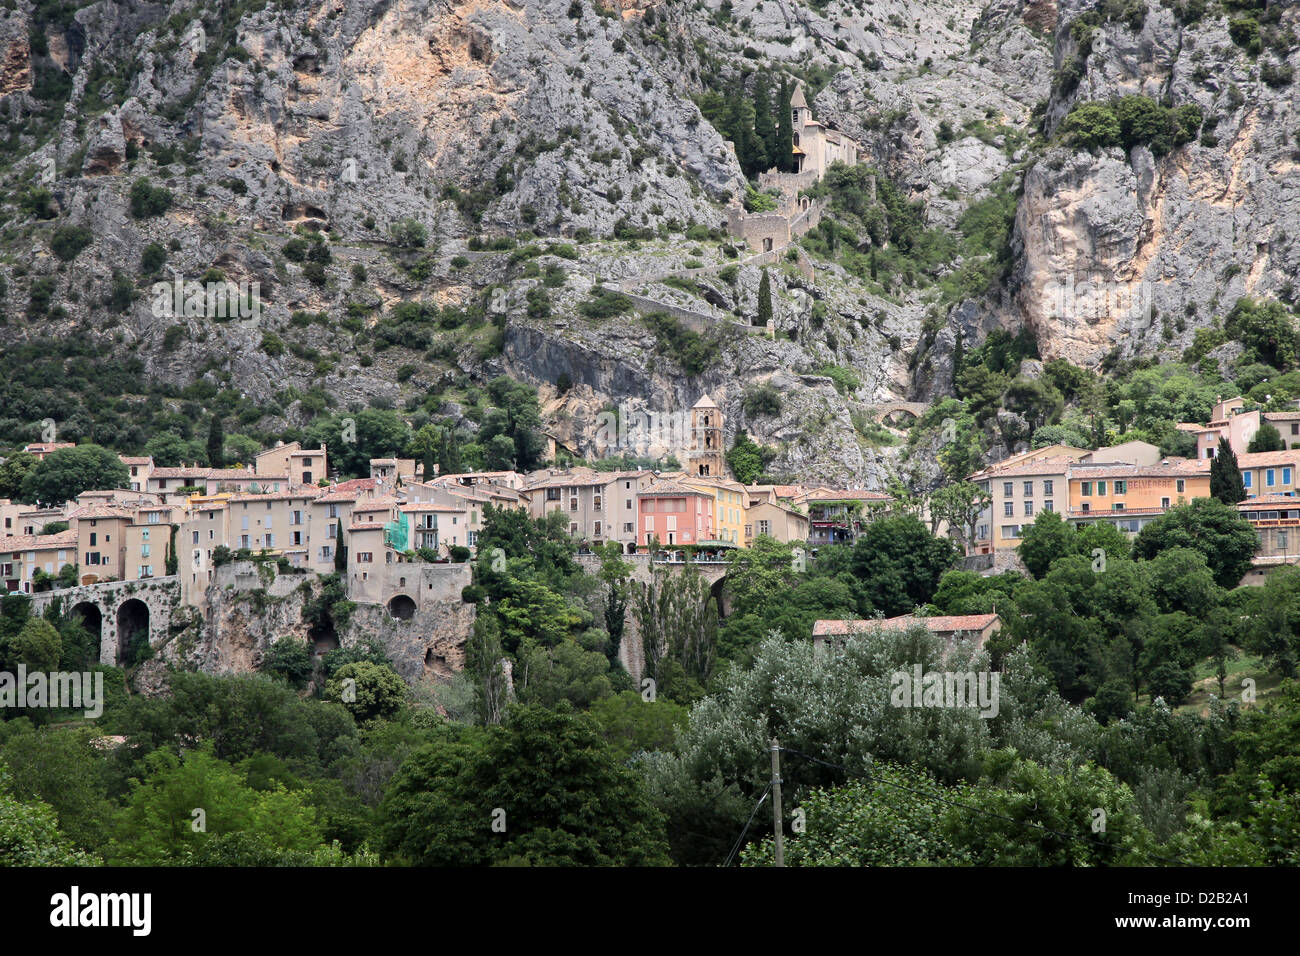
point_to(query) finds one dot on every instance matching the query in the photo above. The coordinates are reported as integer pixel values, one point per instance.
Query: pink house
(674, 513)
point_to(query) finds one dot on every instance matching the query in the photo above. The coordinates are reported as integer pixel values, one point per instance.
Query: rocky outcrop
(1129, 253)
(248, 610)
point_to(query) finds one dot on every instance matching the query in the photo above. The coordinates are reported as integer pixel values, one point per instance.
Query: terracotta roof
(104, 511)
(306, 491)
(1187, 468)
(130, 460)
(571, 480)
(348, 490)
(660, 488)
(1189, 427)
(961, 622)
(844, 494)
(1271, 501)
(367, 526)
(1052, 465)
(49, 446)
(38, 542)
(1263, 459)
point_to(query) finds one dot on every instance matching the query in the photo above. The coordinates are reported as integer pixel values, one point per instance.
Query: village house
(1269, 472)
(599, 505)
(140, 468)
(837, 516)
(674, 514)
(1132, 496)
(729, 501)
(396, 470)
(21, 556)
(41, 449)
(776, 520)
(100, 533)
(293, 463)
(1019, 488)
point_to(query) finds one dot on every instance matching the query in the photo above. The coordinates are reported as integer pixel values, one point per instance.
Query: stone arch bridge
(118, 612)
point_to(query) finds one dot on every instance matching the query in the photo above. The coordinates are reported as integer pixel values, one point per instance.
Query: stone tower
(705, 454)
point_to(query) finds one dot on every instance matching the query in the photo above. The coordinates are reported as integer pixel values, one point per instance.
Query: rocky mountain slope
(395, 140)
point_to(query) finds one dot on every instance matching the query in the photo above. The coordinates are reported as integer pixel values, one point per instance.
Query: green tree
(1273, 630)
(1226, 483)
(677, 619)
(30, 835)
(746, 458)
(1093, 125)
(631, 723)
(370, 691)
(1267, 438)
(1267, 328)
(156, 828)
(960, 504)
(39, 645)
(290, 659)
(61, 766)
(763, 125)
(216, 443)
(784, 158)
(172, 560)
(898, 564)
(555, 790)
(340, 549)
(1216, 530)
(1050, 537)
(764, 299)
(13, 471)
(67, 472)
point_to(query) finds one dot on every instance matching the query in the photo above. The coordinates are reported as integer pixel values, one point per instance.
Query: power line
(964, 806)
(741, 839)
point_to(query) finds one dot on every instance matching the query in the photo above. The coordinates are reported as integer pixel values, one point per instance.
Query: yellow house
(729, 501)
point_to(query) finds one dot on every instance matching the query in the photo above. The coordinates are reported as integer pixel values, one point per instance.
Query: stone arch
(401, 607)
(132, 620)
(89, 615)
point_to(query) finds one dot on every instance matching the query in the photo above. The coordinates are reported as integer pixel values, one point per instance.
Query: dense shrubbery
(1131, 121)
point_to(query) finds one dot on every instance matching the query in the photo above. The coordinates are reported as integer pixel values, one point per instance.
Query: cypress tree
(449, 454)
(1225, 477)
(785, 131)
(764, 300)
(216, 443)
(172, 562)
(763, 125)
(340, 552)
(750, 152)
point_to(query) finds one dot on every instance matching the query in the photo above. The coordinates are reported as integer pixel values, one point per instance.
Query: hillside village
(378, 531)
(649, 433)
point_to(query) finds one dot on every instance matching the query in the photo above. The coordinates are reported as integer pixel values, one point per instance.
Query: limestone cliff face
(1131, 252)
(495, 117)
(246, 614)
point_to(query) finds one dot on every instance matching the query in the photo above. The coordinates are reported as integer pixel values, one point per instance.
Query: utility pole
(776, 802)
